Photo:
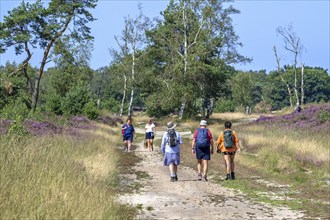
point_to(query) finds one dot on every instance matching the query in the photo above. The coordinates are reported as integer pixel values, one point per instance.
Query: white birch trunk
(185, 55)
(124, 96)
(279, 72)
(133, 77)
(302, 85)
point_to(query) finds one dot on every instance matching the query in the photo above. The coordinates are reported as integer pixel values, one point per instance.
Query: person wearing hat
(202, 148)
(170, 148)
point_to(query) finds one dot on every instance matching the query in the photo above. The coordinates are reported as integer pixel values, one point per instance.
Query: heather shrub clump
(316, 117)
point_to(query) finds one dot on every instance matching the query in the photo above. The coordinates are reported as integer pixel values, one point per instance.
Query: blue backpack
(202, 139)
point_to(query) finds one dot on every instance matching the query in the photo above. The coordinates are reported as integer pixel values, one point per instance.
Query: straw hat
(170, 125)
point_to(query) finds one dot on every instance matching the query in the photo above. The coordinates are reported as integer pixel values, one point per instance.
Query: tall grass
(60, 177)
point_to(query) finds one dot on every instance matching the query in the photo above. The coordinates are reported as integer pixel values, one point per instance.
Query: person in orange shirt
(228, 145)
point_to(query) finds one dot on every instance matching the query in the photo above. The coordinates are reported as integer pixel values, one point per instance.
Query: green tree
(194, 44)
(40, 27)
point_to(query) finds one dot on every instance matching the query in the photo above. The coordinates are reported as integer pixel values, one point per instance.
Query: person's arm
(193, 143)
(162, 146)
(211, 141)
(238, 147)
(219, 144)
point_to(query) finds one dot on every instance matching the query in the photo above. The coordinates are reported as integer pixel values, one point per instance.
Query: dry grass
(60, 177)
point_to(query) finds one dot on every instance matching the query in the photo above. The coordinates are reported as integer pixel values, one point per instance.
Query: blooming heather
(309, 117)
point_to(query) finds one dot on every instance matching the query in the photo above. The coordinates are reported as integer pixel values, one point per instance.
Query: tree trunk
(185, 55)
(35, 94)
(302, 86)
(279, 72)
(295, 79)
(130, 107)
(124, 96)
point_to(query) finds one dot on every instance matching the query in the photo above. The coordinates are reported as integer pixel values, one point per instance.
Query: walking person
(202, 147)
(150, 134)
(228, 145)
(170, 148)
(128, 132)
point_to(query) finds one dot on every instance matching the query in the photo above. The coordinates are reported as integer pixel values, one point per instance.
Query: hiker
(170, 148)
(228, 145)
(128, 134)
(150, 134)
(202, 148)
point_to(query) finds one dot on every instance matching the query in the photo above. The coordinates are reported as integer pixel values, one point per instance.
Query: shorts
(203, 153)
(150, 135)
(128, 138)
(171, 158)
(229, 153)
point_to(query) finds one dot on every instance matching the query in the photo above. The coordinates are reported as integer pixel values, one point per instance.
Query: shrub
(91, 110)
(76, 99)
(324, 115)
(111, 104)
(14, 109)
(54, 104)
(224, 105)
(263, 107)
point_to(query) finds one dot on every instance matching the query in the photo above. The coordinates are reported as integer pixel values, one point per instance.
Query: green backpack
(228, 138)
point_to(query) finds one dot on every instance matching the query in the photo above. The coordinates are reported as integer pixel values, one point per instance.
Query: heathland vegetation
(59, 126)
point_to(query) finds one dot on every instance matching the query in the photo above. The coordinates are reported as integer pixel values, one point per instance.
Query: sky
(256, 27)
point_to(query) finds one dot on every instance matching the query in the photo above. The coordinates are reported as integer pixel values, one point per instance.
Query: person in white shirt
(150, 134)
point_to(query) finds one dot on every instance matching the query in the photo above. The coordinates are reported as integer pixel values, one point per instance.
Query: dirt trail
(189, 198)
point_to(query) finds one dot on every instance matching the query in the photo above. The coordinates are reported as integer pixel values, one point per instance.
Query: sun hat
(203, 123)
(170, 125)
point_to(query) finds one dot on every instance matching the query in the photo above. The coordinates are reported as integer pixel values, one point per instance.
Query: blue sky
(256, 26)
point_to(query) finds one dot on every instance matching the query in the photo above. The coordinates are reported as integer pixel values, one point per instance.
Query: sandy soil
(189, 198)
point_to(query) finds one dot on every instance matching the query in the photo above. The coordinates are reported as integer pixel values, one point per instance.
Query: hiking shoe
(205, 179)
(176, 177)
(232, 175)
(172, 179)
(199, 176)
(228, 177)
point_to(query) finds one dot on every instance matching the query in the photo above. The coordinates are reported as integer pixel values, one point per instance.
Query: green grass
(297, 160)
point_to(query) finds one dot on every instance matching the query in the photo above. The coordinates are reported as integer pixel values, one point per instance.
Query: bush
(224, 105)
(76, 99)
(111, 104)
(14, 109)
(262, 107)
(54, 104)
(323, 115)
(91, 110)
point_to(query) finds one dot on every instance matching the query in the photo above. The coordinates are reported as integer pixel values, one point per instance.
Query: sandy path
(189, 198)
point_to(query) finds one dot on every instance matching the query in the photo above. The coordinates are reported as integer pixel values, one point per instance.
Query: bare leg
(228, 167)
(205, 164)
(199, 162)
(172, 169)
(129, 145)
(232, 164)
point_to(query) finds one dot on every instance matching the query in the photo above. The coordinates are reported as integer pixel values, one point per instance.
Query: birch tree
(131, 41)
(292, 43)
(193, 37)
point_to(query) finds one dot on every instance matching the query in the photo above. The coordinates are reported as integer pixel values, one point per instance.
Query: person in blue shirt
(170, 148)
(128, 131)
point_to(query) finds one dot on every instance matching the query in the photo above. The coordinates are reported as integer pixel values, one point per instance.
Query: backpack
(202, 138)
(172, 138)
(228, 138)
